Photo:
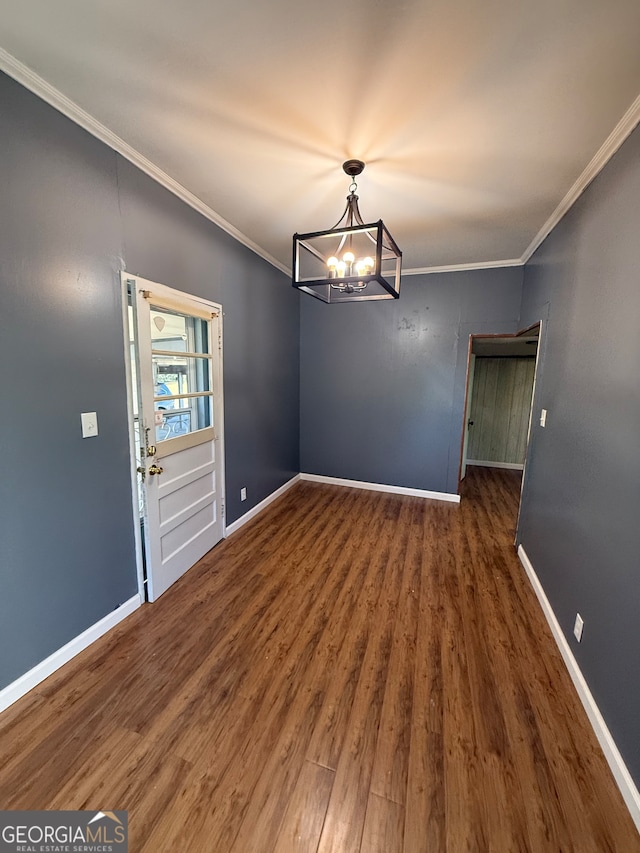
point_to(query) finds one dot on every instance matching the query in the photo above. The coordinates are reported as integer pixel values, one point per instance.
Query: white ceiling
(479, 122)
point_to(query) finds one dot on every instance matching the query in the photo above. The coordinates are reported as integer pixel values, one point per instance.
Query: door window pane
(188, 415)
(181, 366)
(178, 332)
(175, 374)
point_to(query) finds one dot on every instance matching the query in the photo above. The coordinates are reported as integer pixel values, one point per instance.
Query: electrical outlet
(243, 493)
(543, 418)
(577, 628)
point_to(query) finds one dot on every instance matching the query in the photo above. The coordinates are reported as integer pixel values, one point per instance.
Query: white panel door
(179, 348)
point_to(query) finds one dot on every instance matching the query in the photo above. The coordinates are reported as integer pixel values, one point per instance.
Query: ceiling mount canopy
(353, 168)
(351, 262)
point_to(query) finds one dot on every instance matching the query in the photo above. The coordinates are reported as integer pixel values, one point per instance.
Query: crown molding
(32, 81)
(481, 265)
(48, 93)
(613, 142)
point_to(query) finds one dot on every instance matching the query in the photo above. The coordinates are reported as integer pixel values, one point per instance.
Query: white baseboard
(616, 763)
(380, 487)
(335, 481)
(262, 505)
(511, 466)
(12, 692)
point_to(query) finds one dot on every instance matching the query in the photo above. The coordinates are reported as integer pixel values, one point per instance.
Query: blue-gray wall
(379, 393)
(72, 215)
(383, 383)
(66, 537)
(168, 242)
(580, 522)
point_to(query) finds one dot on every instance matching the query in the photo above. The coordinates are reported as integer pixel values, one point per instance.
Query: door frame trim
(473, 337)
(210, 308)
(125, 278)
(540, 325)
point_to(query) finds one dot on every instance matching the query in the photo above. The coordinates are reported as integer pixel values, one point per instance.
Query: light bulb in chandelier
(349, 265)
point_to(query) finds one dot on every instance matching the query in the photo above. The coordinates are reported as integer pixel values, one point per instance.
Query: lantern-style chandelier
(350, 262)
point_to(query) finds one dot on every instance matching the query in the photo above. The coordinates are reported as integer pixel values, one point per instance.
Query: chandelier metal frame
(369, 274)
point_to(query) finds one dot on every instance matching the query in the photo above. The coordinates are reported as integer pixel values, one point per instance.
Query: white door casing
(467, 415)
(181, 428)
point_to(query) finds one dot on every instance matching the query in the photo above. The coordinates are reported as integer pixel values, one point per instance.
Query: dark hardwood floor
(351, 672)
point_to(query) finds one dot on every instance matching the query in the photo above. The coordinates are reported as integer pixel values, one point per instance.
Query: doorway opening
(501, 374)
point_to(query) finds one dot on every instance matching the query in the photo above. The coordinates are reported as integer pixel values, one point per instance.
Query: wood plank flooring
(351, 672)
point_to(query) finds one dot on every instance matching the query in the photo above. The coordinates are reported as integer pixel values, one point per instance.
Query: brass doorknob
(155, 469)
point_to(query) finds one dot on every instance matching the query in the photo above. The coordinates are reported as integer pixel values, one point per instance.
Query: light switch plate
(89, 424)
(543, 418)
